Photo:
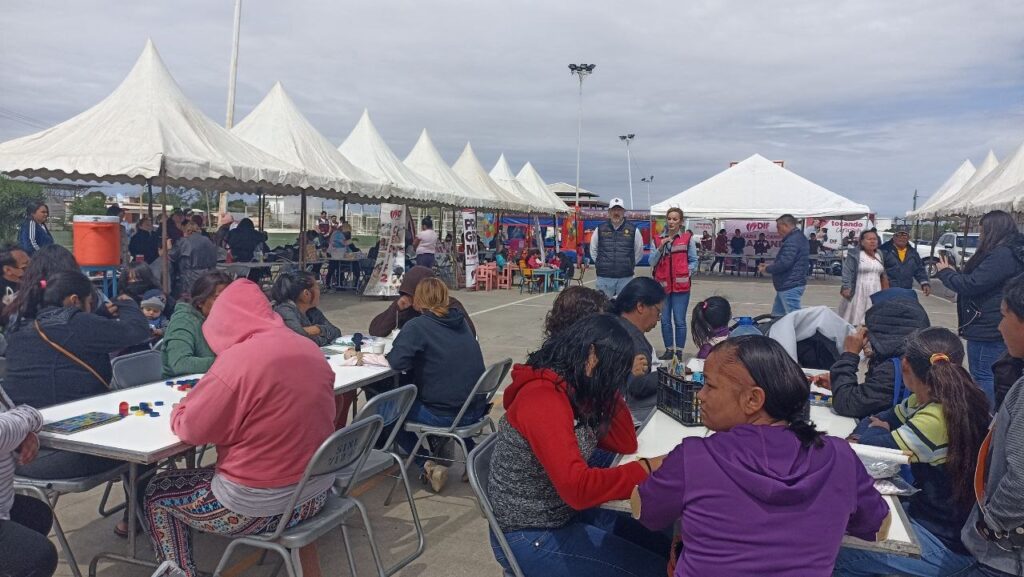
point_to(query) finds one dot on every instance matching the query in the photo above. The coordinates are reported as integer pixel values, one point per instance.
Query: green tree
(237, 205)
(94, 202)
(14, 199)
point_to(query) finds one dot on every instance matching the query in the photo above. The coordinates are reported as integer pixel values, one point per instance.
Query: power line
(18, 117)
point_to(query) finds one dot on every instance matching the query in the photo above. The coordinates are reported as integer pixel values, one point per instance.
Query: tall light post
(581, 71)
(650, 213)
(627, 138)
(229, 120)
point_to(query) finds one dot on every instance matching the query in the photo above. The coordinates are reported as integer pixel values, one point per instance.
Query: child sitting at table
(267, 403)
(501, 258)
(941, 425)
(767, 494)
(710, 324)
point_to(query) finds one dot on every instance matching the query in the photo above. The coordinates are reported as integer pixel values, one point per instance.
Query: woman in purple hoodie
(766, 481)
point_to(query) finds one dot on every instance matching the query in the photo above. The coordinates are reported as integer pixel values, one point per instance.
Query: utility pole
(232, 75)
(581, 71)
(917, 222)
(650, 214)
(627, 138)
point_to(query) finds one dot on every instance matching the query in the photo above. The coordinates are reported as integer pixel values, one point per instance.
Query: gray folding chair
(479, 466)
(345, 449)
(392, 406)
(136, 369)
(484, 390)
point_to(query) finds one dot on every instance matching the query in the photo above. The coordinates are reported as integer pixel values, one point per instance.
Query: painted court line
(506, 305)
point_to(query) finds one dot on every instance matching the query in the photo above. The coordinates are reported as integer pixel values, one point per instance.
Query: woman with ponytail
(942, 425)
(766, 481)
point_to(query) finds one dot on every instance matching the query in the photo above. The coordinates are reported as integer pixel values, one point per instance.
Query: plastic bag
(895, 486)
(880, 469)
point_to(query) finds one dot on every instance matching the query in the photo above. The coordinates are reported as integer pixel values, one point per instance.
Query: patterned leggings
(178, 500)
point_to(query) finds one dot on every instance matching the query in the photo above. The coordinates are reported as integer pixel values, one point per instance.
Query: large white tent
(759, 188)
(531, 179)
(366, 149)
(468, 167)
(958, 202)
(278, 127)
(145, 129)
(502, 174)
(1009, 175)
(427, 161)
(953, 184)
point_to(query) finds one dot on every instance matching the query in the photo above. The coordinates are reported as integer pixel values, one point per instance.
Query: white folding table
(660, 433)
(145, 440)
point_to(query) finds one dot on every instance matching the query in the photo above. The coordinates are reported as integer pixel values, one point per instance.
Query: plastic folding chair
(392, 406)
(581, 270)
(505, 278)
(479, 467)
(141, 368)
(483, 392)
(346, 449)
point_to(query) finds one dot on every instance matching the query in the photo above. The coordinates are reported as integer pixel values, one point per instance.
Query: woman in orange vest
(672, 258)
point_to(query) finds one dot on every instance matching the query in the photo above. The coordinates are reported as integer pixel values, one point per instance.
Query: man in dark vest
(616, 246)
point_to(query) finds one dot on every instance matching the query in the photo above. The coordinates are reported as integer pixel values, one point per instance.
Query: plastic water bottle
(746, 327)
(258, 253)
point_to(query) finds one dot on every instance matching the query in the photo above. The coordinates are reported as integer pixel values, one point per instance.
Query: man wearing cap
(616, 247)
(903, 264)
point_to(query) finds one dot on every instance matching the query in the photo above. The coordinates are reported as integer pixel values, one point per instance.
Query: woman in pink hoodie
(267, 403)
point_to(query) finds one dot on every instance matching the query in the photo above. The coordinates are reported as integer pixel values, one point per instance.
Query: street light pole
(581, 71)
(627, 138)
(650, 214)
(229, 121)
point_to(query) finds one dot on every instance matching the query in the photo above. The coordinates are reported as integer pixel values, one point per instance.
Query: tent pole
(149, 188)
(935, 234)
(963, 249)
(261, 201)
(165, 274)
(302, 231)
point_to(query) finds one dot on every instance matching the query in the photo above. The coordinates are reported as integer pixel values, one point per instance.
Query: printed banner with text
(390, 266)
(469, 240)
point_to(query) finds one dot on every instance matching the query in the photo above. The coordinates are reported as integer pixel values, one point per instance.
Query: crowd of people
(767, 481)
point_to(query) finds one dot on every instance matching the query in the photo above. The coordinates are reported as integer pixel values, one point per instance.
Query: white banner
(836, 232)
(751, 231)
(469, 240)
(390, 267)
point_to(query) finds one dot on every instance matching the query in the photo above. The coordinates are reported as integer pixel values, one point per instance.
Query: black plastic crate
(677, 397)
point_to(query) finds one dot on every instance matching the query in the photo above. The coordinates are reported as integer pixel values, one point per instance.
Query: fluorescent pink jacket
(268, 400)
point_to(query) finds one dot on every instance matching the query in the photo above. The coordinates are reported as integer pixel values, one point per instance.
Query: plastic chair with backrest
(141, 368)
(393, 407)
(346, 449)
(479, 467)
(483, 392)
(49, 491)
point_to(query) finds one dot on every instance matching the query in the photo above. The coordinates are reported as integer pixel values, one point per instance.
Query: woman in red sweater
(563, 404)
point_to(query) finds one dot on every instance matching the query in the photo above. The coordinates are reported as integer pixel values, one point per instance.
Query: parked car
(955, 245)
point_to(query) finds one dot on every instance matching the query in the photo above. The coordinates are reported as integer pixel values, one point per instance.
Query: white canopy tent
(502, 174)
(953, 184)
(278, 127)
(468, 168)
(990, 191)
(531, 179)
(426, 161)
(952, 205)
(366, 149)
(146, 128)
(759, 188)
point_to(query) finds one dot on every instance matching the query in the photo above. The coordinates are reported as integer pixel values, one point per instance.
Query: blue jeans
(787, 301)
(979, 570)
(612, 286)
(981, 355)
(674, 310)
(597, 543)
(420, 413)
(936, 560)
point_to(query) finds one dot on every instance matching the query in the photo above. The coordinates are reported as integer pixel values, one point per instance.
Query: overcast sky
(870, 99)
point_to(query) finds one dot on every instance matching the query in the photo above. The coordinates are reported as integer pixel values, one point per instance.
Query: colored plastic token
(133, 408)
(159, 403)
(154, 414)
(140, 413)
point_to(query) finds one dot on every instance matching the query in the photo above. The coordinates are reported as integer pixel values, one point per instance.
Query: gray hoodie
(1003, 508)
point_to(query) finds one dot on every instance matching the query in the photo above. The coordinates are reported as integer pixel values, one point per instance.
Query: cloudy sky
(870, 98)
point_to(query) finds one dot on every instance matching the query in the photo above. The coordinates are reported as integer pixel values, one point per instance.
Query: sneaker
(668, 354)
(436, 475)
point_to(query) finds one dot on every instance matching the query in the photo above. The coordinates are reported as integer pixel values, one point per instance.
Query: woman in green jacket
(184, 348)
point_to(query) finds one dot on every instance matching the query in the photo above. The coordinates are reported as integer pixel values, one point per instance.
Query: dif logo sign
(759, 226)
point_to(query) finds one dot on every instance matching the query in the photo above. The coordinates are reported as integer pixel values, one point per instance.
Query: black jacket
(146, 243)
(314, 317)
(903, 274)
(641, 393)
(40, 376)
(441, 357)
(791, 263)
(244, 242)
(888, 325)
(980, 292)
(1005, 372)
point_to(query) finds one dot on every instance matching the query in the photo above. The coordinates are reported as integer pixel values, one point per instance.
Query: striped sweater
(15, 424)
